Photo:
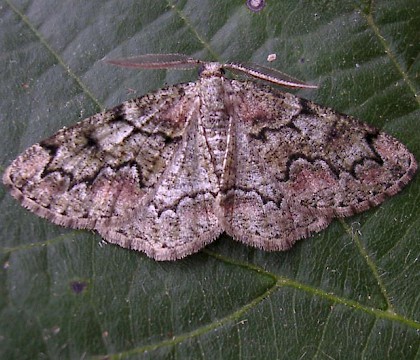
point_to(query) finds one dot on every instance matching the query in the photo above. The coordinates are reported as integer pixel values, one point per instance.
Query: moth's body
(167, 173)
(215, 113)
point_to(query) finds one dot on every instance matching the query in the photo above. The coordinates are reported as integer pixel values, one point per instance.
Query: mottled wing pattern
(182, 214)
(296, 165)
(113, 167)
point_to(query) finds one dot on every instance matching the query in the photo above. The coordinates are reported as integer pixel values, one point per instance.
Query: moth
(168, 172)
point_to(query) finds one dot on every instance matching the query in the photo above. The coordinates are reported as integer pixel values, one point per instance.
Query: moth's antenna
(268, 74)
(158, 61)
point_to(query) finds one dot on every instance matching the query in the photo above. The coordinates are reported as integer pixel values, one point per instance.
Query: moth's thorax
(212, 87)
(211, 91)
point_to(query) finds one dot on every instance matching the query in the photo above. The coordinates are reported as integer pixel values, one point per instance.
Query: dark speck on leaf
(78, 286)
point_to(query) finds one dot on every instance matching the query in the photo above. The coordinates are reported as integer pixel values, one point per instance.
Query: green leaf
(350, 292)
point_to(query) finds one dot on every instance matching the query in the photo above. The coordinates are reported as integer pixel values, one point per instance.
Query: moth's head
(211, 69)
